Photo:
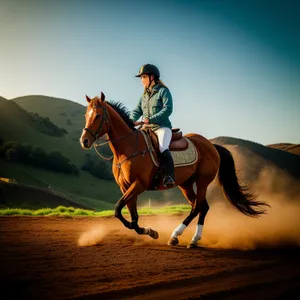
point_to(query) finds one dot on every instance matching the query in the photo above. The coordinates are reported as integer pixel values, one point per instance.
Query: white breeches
(164, 135)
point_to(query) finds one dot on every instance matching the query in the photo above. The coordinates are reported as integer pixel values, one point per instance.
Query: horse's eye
(98, 116)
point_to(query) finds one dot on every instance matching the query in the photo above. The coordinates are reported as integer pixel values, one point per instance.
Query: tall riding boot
(168, 168)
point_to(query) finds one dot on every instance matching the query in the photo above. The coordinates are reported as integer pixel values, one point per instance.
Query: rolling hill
(283, 160)
(16, 125)
(62, 112)
(269, 170)
(14, 195)
(292, 148)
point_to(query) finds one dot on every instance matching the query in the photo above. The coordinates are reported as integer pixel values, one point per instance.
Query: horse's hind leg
(203, 207)
(198, 233)
(189, 194)
(199, 205)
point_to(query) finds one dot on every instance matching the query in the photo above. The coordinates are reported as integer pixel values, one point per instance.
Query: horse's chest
(123, 174)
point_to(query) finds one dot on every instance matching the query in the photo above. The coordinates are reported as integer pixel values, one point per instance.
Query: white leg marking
(198, 234)
(179, 230)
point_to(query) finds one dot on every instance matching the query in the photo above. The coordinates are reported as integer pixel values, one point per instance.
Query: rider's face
(145, 79)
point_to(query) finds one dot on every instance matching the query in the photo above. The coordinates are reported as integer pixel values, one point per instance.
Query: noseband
(104, 119)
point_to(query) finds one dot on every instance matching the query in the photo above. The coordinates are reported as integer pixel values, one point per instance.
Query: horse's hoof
(153, 234)
(192, 245)
(173, 241)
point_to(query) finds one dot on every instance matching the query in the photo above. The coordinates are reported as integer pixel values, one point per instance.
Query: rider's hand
(147, 121)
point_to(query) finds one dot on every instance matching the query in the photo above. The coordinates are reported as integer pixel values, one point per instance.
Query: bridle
(104, 119)
(96, 134)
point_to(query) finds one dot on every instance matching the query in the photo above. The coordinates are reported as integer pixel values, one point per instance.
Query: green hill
(17, 125)
(14, 195)
(62, 112)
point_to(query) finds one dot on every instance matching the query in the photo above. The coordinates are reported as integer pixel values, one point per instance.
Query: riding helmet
(149, 69)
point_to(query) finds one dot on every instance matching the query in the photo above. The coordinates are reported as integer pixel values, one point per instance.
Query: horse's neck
(119, 133)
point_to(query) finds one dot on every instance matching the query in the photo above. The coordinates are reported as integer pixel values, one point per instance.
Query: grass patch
(68, 212)
(43, 212)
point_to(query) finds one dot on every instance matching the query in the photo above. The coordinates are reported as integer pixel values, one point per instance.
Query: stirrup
(168, 181)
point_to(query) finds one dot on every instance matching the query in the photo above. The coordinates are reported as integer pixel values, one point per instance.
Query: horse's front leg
(132, 207)
(129, 198)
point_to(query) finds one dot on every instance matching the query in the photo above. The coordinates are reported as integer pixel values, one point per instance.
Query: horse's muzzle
(85, 143)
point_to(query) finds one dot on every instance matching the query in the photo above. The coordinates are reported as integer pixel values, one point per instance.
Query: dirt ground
(96, 258)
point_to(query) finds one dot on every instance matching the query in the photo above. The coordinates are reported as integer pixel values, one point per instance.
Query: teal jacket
(157, 106)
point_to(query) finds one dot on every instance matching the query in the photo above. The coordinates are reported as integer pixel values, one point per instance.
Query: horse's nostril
(85, 142)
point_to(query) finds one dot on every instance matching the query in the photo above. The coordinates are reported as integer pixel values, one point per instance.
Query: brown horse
(133, 168)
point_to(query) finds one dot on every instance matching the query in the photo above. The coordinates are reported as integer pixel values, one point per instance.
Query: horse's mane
(123, 112)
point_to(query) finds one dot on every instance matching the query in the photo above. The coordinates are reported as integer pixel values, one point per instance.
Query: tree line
(44, 125)
(98, 167)
(36, 156)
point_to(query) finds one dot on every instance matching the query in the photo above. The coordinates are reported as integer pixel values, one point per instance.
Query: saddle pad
(181, 158)
(186, 157)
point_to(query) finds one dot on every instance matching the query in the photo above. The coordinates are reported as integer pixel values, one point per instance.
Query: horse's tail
(238, 195)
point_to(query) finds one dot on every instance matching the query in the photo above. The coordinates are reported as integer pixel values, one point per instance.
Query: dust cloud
(94, 236)
(225, 227)
(106, 230)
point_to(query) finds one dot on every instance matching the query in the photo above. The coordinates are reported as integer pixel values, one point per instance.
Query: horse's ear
(87, 99)
(102, 97)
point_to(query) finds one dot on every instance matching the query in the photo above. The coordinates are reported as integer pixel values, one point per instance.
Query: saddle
(178, 143)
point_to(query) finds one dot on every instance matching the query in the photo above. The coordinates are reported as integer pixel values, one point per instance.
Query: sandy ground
(96, 258)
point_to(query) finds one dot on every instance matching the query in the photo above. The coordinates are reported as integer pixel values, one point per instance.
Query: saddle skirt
(183, 151)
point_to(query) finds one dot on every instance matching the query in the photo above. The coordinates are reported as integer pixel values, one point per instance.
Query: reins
(135, 153)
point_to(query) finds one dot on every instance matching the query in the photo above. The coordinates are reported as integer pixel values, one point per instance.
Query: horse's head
(96, 121)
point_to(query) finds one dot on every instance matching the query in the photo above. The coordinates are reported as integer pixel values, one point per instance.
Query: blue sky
(233, 67)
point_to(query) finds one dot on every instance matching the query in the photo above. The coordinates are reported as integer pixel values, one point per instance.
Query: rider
(156, 106)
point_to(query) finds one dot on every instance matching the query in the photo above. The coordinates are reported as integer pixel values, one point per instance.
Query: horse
(133, 169)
